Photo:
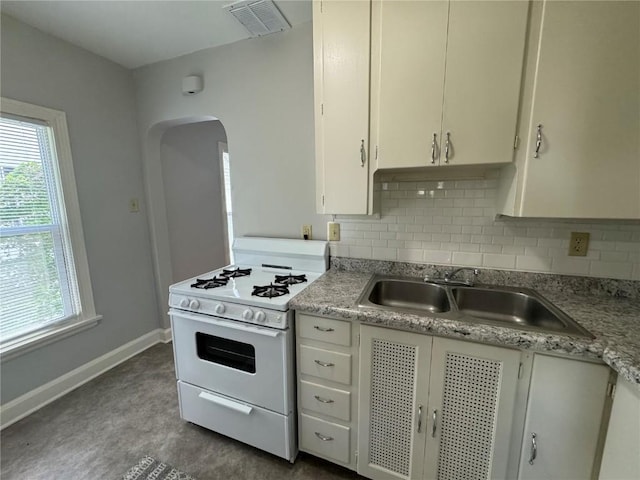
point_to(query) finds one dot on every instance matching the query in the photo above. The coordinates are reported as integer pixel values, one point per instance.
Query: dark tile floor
(103, 428)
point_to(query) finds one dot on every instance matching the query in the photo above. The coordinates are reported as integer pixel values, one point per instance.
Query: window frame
(69, 214)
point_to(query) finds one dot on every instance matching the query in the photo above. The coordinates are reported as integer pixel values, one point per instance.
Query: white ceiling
(136, 33)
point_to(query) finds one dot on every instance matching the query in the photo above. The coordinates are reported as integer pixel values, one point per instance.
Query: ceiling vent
(260, 17)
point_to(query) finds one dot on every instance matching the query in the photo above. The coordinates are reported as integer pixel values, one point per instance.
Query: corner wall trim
(37, 398)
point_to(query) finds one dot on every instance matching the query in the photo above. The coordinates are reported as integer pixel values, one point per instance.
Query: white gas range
(233, 341)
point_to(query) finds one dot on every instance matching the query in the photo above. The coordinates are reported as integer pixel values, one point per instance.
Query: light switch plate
(333, 231)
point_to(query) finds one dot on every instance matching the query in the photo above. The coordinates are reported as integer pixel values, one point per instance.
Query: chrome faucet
(449, 277)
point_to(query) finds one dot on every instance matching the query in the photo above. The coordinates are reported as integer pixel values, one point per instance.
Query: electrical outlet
(134, 206)
(306, 232)
(333, 231)
(579, 244)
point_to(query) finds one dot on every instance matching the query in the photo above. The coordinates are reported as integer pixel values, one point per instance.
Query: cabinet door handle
(324, 364)
(322, 400)
(538, 141)
(434, 148)
(323, 329)
(322, 437)
(534, 449)
(447, 146)
(419, 418)
(363, 154)
(434, 425)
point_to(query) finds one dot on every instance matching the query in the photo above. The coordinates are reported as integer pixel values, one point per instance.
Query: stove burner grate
(270, 291)
(207, 283)
(238, 272)
(290, 279)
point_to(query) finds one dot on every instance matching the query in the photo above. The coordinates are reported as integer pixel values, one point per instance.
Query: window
(226, 196)
(45, 290)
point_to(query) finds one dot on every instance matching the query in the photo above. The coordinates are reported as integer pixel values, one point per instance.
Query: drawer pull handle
(323, 329)
(322, 437)
(534, 449)
(324, 364)
(323, 400)
(434, 425)
(223, 402)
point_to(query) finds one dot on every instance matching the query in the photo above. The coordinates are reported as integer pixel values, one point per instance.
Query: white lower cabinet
(563, 422)
(621, 457)
(327, 381)
(434, 408)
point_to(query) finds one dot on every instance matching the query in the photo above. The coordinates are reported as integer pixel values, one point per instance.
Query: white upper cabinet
(584, 113)
(446, 81)
(341, 36)
(408, 53)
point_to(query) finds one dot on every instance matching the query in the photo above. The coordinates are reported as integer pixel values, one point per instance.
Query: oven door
(248, 362)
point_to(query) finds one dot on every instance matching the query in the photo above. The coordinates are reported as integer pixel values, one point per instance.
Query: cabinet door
(587, 101)
(564, 411)
(394, 375)
(408, 56)
(341, 33)
(485, 53)
(472, 394)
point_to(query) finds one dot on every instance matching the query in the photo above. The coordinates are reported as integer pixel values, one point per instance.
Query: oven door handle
(232, 324)
(223, 402)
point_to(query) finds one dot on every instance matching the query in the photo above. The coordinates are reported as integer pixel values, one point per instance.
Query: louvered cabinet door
(472, 396)
(394, 373)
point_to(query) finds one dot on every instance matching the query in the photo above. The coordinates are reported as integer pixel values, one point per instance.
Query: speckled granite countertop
(614, 321)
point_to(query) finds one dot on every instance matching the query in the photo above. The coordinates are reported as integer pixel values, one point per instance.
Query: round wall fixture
(192, 84)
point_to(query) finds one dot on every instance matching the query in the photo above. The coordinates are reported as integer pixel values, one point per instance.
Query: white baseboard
(37, 398)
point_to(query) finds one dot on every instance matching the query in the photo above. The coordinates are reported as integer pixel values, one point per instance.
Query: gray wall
(193, 193)
(261, 90)
(98, 98)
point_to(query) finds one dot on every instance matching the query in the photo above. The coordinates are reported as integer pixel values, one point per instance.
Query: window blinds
(36, 288)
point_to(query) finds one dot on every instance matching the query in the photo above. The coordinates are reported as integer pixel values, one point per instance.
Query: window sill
(27, 344)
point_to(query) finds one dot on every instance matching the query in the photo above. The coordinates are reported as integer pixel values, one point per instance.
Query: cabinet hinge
(611, 390)
(520, 369)
(516, 142)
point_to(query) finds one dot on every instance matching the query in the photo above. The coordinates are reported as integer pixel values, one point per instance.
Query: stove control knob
(184, 303)
(194, 304)
(260, 316)
(220, 308)
(247, 314)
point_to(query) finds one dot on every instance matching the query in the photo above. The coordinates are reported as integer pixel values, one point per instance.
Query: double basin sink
(520, 308)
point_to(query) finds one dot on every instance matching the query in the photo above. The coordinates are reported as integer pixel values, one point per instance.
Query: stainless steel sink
(495, 305)
(410, 295)
(517, 307)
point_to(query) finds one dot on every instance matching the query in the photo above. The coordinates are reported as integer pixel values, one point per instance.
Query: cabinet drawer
(325, 400)
(328, 439)
(325, 364)
(327, 330)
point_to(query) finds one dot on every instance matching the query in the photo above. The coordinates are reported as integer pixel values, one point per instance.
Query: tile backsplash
(453, 222)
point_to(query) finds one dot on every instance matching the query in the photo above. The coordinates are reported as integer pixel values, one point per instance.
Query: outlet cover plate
(579, 244)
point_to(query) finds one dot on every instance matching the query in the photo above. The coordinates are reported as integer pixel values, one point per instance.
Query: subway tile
(451, 229)
(619, 236)
(395, 243)
(360, 252)
(611, 269)
(512, 250)
(337, 250)
(387, 235)
(385, 253)
(372, 235)
(549, 242)
(424, 237)
(363, 242)
(410, 255)
(493, 230)
(412, 244)
(430, 245)
(472, 212)
(352, 234)
(363, 227)
(525, 241)
(498, 260)
(614, 256)
(467, 259)
(460, 238)
(570, 265)
(486, 248)
(536, 264)
(437, 256)
(451, 247)
(378, 243)
(501, 240)
(379, 227)
(404, 236)
(414, 228)
(471, 229)
(441, 237)
(628, 246)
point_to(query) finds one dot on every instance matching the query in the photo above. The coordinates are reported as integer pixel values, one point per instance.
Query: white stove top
(239, 290)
